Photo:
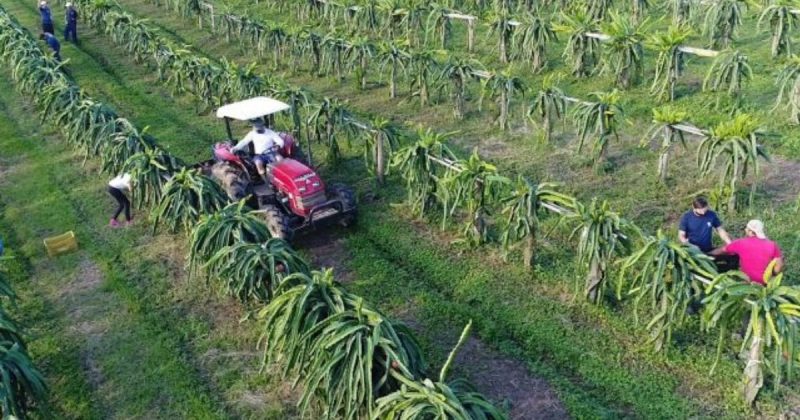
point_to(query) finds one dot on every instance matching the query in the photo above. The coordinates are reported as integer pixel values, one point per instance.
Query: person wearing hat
(755, 252)
(265, 145)
(71, 28)
(47, 18)
(53, 43)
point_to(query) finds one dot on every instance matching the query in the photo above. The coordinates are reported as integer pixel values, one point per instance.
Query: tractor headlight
(315, 183)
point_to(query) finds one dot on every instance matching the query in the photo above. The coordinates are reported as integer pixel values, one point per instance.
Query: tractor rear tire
(232, 179)
(348, 198)
(277, 222)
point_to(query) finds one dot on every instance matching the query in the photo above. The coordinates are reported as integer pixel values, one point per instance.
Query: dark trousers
(48, 27)
(71, 32)
(724, 264)
(122, 203)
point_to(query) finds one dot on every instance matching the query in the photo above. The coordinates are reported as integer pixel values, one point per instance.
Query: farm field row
(264, 397)
(378, 232)
(92, 312)
(631, 186)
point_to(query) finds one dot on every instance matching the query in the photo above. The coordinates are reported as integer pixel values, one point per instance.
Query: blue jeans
(71, 29)
(265, 158)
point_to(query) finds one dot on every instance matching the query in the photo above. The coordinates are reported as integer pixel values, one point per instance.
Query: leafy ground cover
(584, 381)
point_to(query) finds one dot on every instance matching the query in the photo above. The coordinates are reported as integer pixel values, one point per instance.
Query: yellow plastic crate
(57, 245)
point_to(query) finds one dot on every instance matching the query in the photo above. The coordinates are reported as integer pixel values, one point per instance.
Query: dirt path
(326, 249)
(88, 310)
(781, 180)
(501, 378)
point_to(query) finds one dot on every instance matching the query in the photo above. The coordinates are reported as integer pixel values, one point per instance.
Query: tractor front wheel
(348, 198)
(277, 222)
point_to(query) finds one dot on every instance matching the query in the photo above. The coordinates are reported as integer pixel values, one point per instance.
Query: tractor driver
(265, 144)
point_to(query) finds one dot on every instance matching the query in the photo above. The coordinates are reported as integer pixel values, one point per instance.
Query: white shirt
(262, 142)
(121, 182)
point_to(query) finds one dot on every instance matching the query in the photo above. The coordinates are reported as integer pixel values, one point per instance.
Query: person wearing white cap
(47, 18)
(755, 252)
(71, 28)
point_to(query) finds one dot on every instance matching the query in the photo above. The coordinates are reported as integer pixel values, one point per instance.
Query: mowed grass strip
(135, 369)
(55, 351)
(122, 317)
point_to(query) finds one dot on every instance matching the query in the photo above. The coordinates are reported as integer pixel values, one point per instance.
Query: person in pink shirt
(755, 252)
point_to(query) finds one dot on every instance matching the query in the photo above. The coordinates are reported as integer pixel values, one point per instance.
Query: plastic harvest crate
(57, 245)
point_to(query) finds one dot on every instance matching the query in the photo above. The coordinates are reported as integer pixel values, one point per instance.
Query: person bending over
(755, 252)
(117, 187)
(52, 42)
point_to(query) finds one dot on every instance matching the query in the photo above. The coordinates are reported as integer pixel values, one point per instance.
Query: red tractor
(295, 199)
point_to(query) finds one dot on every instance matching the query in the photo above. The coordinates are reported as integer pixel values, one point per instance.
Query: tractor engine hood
(296, 179)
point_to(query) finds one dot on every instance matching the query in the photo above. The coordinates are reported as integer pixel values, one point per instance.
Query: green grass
(592, 356)
(103, 320)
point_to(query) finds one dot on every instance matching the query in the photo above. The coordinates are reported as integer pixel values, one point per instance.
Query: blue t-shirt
(52, 42)
(699, 228)
(72, 16)
(45, 12)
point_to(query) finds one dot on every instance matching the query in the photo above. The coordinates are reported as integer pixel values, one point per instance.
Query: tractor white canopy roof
(252, 108)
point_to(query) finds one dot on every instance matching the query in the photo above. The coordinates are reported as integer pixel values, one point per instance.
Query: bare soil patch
(781, 180)
(7, 168)
(499, 377)
(327, 250)
(502, 378)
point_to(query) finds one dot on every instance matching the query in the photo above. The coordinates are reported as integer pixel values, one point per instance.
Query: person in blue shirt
(71, 28)
(698, 224)
(52, 42)
(47, 18)
(696, 228)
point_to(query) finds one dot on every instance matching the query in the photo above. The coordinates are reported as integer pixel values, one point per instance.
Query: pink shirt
(754, 256)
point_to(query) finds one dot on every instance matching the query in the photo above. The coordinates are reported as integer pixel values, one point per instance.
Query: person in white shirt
(265, 145)
(117, 188)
